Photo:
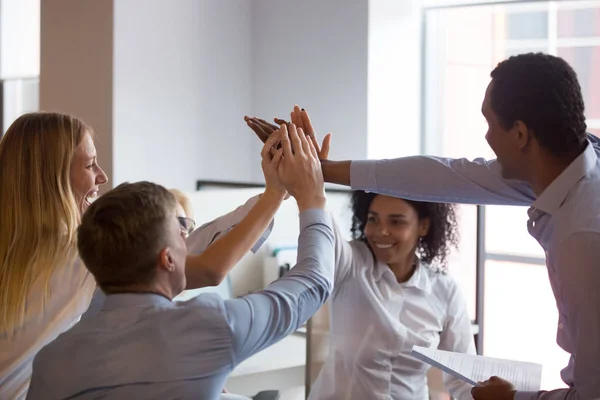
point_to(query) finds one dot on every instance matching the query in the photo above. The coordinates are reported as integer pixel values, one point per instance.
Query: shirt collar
(420, 279)
(553, 197)
(126, 300)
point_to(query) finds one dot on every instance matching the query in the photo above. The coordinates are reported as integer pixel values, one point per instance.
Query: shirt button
(560, 325)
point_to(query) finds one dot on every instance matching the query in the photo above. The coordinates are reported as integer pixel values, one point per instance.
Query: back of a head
(38, 212)
(122, 233)
(542, 91)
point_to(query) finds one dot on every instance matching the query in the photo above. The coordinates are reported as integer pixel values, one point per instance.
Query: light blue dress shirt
(564, 219)
(144, 346)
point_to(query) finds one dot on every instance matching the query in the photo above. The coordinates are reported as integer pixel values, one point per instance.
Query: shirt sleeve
(457, 337)
(442, 180)
(578, 274)
(263, 318)
(343, 256)
(206, 234)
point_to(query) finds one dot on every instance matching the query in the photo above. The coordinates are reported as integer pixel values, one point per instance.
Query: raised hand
(262, 128)
(300, 170)
(271, 158)
(301, 119)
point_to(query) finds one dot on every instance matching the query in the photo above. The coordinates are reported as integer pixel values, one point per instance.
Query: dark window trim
(203, 184)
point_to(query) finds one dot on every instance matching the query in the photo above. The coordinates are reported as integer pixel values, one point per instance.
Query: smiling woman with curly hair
(392, 292)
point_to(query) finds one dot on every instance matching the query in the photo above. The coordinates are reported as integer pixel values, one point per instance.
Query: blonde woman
(184, 202)
(49, 175)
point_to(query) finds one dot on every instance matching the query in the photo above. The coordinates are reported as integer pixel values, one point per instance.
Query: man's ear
(166, 259)
(523, 134)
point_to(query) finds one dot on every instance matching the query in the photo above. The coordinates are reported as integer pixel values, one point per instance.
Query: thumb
(324, 153)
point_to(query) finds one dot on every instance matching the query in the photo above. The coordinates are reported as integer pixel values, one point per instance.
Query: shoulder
(209, 305)
(362, 257)
(443, 284)
(52, 355)
(361, 251)
(581, 210)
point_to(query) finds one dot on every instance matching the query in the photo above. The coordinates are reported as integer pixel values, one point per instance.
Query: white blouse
(375, 321)
(71, 289)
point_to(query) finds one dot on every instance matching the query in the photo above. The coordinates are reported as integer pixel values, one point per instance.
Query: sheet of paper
(473, 368)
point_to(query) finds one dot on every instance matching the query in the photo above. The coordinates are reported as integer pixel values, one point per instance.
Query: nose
(383, 230)
(101, 178)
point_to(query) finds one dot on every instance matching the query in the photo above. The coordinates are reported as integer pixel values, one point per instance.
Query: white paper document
(472, 368)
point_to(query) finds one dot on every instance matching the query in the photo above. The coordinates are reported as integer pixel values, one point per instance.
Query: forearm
(336, 172)
(211, 266)
(443, 180)
(264, 317)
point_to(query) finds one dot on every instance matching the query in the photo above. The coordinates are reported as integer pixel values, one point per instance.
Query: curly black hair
(443, 228)
(542, 91)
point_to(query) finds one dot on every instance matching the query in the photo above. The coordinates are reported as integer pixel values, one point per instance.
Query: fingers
(285, 141)
(277, 158)
(313, 151)
(280, 121)
(315, 143)
(306, 123)
(270, 143)
(297, 117)
(306, 146)
(262, 135)
(324, 151)
(266, 125)
(296, 143)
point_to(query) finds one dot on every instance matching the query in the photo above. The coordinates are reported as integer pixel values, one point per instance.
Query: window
(461, 47)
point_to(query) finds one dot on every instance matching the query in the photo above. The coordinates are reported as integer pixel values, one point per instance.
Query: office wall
(167, 88)
(313, 53)
(76, 71)
(182, 85)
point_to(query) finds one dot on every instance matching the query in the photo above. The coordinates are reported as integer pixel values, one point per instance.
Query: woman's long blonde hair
(38, 212)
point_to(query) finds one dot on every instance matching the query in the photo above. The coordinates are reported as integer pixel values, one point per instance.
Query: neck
(139, 289)
(404, 269)
(547, 169)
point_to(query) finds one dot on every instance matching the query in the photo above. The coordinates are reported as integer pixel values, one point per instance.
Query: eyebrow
(389, 216)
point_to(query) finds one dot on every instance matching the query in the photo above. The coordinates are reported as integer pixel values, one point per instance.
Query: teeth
(91, 198)
(383, 246)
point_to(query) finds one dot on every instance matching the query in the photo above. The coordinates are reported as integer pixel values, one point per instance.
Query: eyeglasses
(186, 225)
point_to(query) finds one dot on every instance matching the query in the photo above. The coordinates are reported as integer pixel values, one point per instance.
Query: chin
(384, 259)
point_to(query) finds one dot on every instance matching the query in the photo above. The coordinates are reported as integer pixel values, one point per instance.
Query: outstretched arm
(211, 266)
(436, 179)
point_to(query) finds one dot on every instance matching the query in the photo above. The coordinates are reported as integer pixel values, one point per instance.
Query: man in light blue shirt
(545, 160)
(144, 345)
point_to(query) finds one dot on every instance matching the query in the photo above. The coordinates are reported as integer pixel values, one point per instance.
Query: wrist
(336, 171)
(311, 201)
(274, 194)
